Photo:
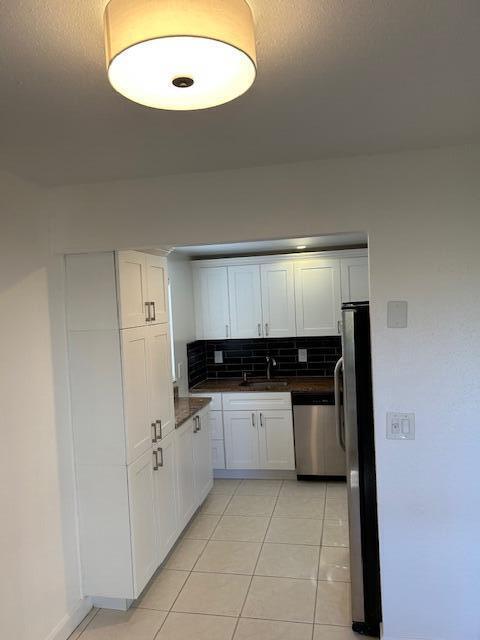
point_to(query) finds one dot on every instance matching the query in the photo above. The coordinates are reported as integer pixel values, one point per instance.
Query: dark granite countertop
(227, 385)
(185, 408)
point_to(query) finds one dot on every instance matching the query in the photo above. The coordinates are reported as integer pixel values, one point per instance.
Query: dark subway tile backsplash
(250, 355)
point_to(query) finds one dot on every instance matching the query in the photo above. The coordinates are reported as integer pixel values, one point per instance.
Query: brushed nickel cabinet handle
(266, 328)
(199, 422)
(154, 315)
(155, 460)
(148, 317)
(226, 330)
(253, 420)
(161, 456)
(159, 425)
(261, 419)
(259, 327)
(154, 432)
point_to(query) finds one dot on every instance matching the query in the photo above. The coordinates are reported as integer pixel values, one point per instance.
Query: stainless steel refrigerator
(354, 418)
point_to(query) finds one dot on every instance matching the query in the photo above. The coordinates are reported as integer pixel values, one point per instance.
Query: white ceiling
(274, 246)
(335, 77)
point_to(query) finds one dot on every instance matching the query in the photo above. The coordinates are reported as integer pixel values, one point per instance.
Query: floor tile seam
(318, 562)
(258, 558)
(89, 622)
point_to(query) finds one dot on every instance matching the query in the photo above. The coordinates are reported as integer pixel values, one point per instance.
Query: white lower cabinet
(202, 456)
(166, 499)
(276, 440)
(241, 440)
(141, 492)
(185, 472)
(218, 454)
(259, 438)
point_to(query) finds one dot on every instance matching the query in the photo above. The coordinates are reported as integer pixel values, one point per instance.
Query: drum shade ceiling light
(180, 54)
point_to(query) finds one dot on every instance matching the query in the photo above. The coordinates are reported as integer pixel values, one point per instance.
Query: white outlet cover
(302, 355)
(218, 357)
(401, 426)
(397, 314)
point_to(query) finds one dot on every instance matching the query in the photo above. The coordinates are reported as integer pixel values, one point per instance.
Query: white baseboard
(118, 604)
(70, 621)
(255, 474)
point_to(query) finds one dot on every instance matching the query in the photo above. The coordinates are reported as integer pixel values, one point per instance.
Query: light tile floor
(261, 560)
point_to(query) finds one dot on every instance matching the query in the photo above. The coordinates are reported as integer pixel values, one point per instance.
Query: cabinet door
(135, 375)
(211, 299)
(218, 454)
(276, 440)
(160, 384)
(354, 272)
(157, 287)
(317, 297)
(278, 301)
(202, 454)
(245, 301)
(215, 424)
(142, 520)
(132, 289)
(241, 439)
(185, 472)
(166, 496)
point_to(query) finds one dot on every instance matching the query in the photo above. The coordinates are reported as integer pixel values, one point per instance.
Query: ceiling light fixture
(302, 246)
(180, 54)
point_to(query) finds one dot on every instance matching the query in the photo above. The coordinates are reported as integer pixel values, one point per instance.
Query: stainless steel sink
(265, 385)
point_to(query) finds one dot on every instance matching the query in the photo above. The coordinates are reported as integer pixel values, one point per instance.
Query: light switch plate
(397, 314)
(302, 355)
(401, 426)
(218, 357)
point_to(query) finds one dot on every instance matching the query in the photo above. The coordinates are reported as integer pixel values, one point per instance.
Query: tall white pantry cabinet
(123, 420)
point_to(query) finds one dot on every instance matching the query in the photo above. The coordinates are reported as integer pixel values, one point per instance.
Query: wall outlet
(302, 355)
(179, 370)
(218, 357)
(401, 426)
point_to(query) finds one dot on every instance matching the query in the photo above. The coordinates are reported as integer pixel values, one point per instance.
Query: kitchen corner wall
(250, 355)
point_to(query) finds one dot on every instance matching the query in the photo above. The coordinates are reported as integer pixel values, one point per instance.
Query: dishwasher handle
(338, 407)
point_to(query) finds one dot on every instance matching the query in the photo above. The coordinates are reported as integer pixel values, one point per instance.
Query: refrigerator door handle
(338, 407)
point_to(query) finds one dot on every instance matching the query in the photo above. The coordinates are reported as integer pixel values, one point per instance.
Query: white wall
(183, 313)
(422, 213)
(39, 585)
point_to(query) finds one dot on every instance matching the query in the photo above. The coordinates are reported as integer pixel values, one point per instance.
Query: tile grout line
(258, 558)
(88, 624)
(318, 562)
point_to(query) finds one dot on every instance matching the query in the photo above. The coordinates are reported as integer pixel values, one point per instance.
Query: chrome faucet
(271, 362)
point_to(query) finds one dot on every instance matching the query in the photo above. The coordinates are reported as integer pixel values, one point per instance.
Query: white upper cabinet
(245, 301)
(211, 303)
(317, 297)
(278, 300)
(135, 373)
(161, 404)
(157, 288)
(132, 288)
(354, 273)
(143, 289)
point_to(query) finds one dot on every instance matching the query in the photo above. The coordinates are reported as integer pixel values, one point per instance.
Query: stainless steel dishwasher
(318, 447)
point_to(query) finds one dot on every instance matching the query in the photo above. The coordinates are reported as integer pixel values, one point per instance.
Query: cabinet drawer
(216, 403)
(254, 401)
(218, 454)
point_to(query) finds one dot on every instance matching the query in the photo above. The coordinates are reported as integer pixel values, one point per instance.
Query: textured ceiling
(336, 77)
